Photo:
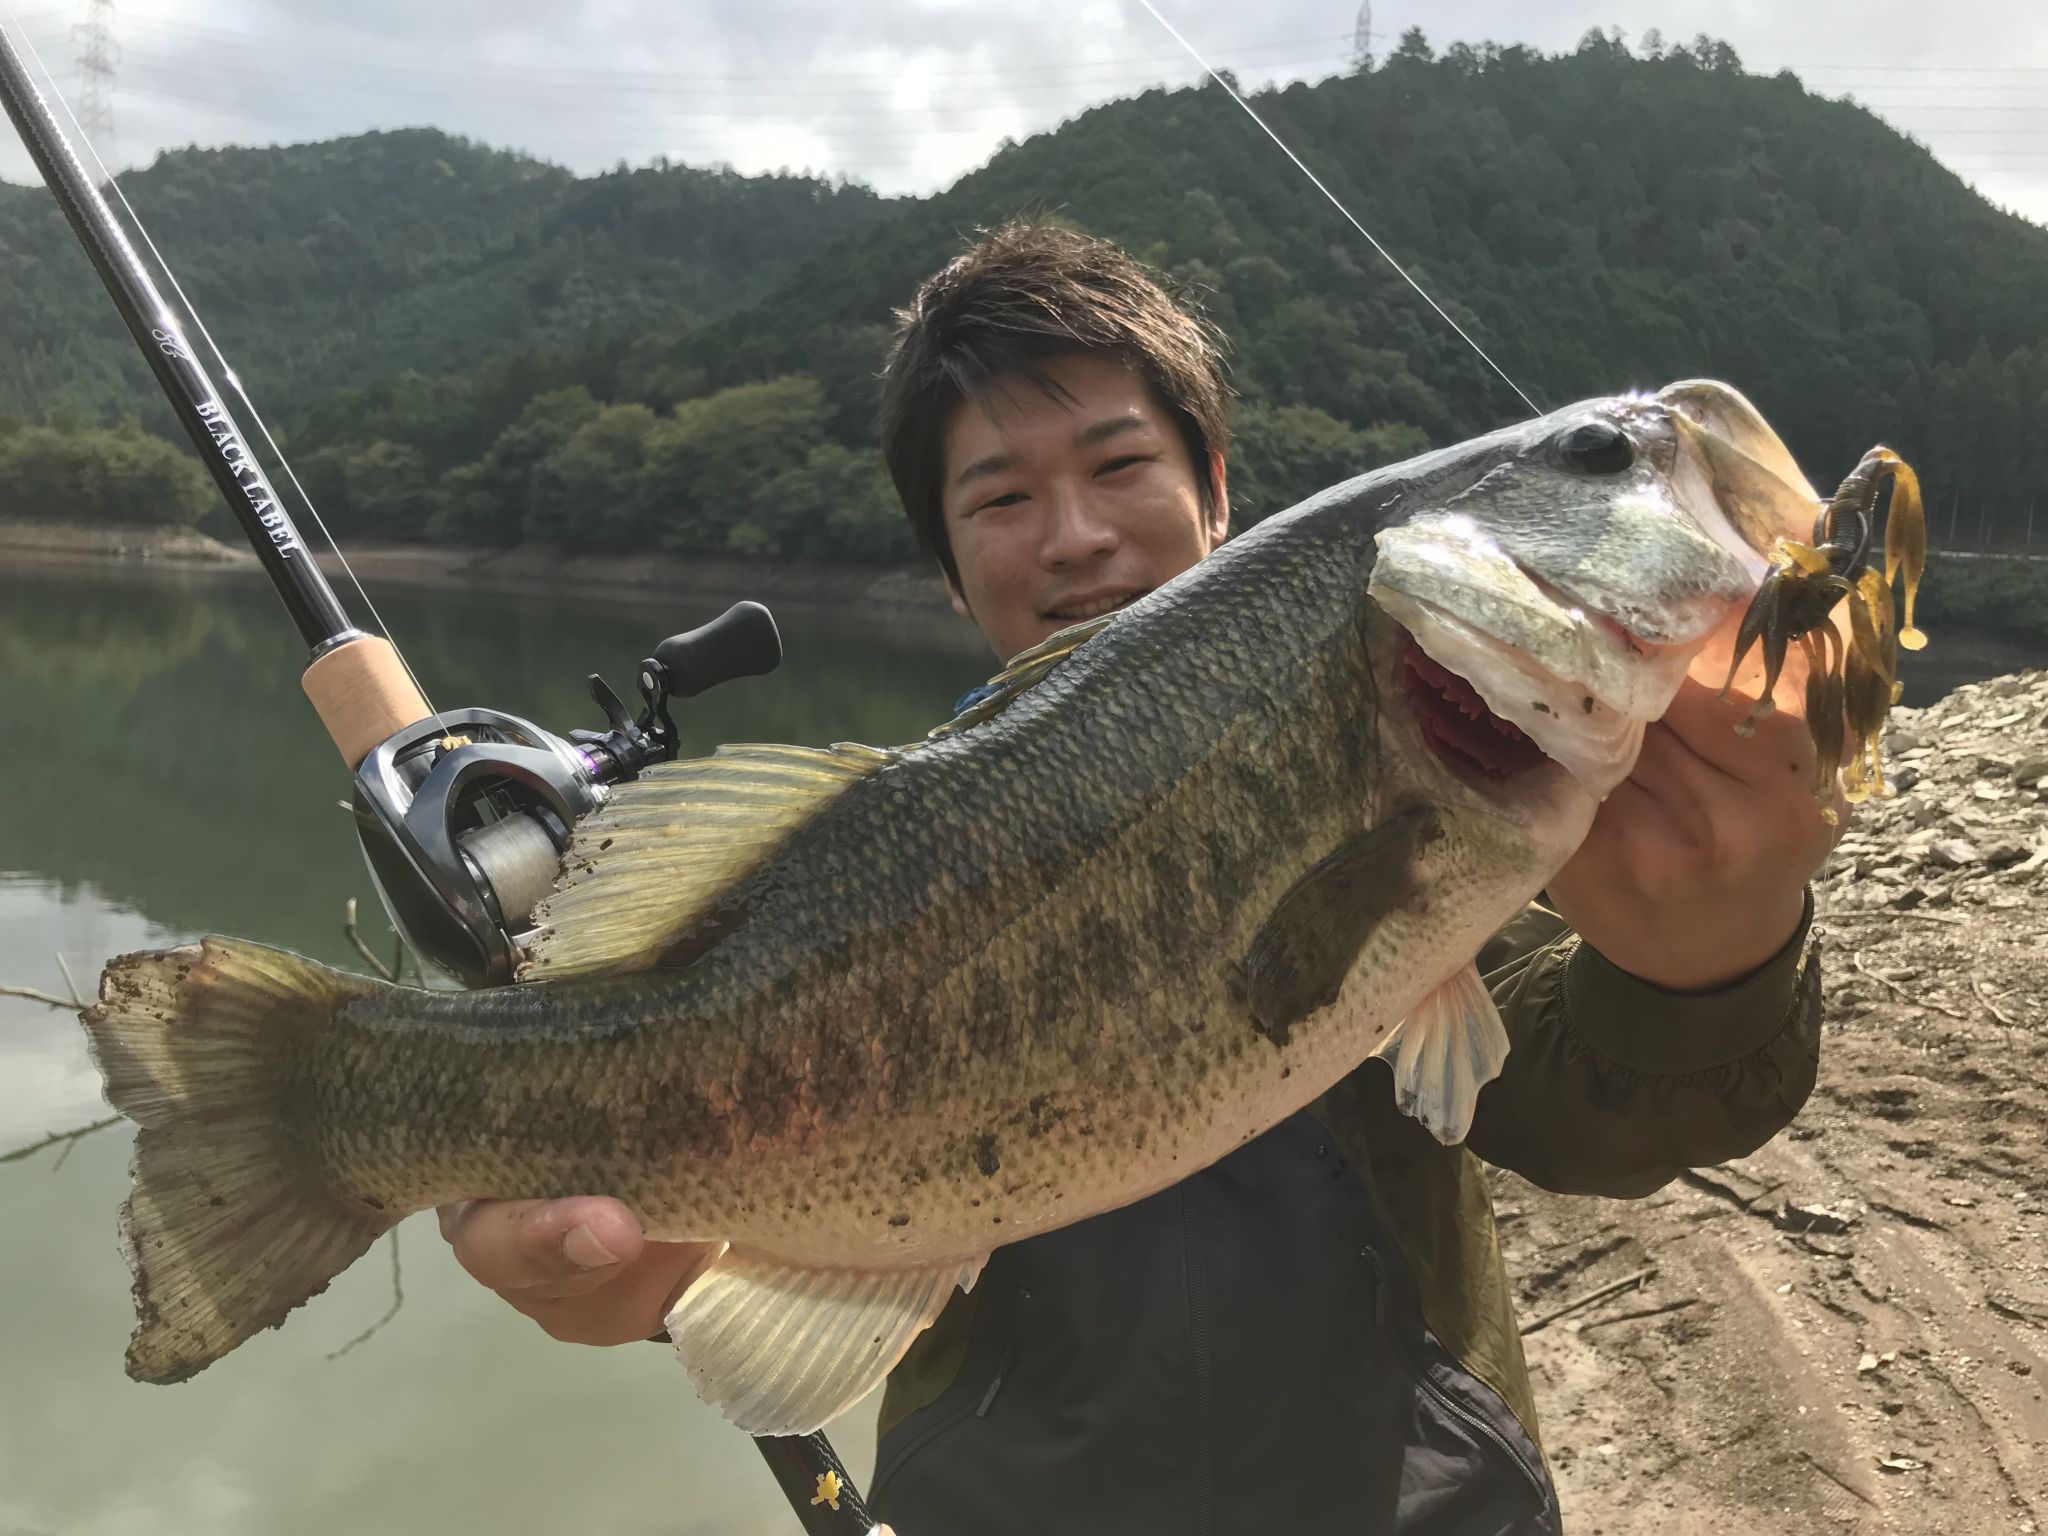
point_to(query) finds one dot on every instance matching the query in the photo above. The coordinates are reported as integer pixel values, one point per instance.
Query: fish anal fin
(1027, 669)
(646, 866)
(1448, 1047)
(782, 1350)
(1307, 946)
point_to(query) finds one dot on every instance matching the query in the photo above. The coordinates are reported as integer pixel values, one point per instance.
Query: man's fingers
(634, 1300)
(1780, 744)
(544, 1247)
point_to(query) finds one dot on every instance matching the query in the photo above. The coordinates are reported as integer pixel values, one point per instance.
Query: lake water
(162, 777)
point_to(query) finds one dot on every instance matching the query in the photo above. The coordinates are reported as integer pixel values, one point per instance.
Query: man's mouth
(1094, 607)
(1460, 729)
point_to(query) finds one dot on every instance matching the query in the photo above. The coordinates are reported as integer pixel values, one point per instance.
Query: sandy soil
(1847, 1331)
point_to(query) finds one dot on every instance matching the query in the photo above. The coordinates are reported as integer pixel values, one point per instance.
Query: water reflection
(164, 777)
(171, 761)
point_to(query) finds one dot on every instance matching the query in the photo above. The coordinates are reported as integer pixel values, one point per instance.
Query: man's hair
(1021, 295)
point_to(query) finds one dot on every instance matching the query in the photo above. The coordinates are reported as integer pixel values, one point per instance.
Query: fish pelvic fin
(228, 1226)
(649, 865)
(1448, 1047)
(783, 1350)
(1027, 669)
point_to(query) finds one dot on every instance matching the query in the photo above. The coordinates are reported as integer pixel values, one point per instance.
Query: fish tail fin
(229, 1226)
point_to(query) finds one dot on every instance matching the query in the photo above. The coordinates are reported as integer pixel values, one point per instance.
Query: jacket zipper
(1420, 1371)
(955, 1418)
(1002, 1369)
(1198, 1330)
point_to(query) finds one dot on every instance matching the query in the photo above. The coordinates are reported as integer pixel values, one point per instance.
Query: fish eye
(1596, 448)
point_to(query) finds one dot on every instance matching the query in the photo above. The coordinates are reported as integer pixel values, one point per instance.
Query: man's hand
(580, 1268)
(1695, 871)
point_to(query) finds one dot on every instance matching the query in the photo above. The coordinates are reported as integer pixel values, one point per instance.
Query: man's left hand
(1695, 871)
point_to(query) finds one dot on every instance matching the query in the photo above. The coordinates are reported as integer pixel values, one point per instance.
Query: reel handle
(741, 642)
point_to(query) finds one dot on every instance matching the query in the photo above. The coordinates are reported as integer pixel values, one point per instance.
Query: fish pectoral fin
(646, 867)
(783, 1350)
(1027, 669)
(1450, 1045)
(1307, 946)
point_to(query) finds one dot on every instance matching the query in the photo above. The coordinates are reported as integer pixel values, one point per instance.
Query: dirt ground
(1847, 1331)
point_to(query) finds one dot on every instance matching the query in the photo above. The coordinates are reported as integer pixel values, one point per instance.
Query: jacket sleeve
(1613, 1085)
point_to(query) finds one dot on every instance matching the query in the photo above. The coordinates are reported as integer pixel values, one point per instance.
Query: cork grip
(363, 696)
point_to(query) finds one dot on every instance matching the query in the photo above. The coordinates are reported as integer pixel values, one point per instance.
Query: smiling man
(1074, 496)
(1315, 1333)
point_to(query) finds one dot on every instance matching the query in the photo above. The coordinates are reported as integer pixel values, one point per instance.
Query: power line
(1076, 94)
(702, 84)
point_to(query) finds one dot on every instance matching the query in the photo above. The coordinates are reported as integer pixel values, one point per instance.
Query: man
(1316, 1333)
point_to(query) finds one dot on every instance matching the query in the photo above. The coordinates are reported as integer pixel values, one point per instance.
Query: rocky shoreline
(1846, 1330)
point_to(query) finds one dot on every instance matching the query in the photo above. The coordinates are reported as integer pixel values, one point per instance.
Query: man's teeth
(1099, 606)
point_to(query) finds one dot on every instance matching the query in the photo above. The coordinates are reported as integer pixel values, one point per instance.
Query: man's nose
(1077, 531)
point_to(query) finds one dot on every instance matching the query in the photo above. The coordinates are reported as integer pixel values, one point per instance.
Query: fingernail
(582, 1249)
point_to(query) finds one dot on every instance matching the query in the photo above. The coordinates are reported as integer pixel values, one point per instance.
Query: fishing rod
(462, 814)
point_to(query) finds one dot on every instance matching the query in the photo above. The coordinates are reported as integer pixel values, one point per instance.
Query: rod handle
(363, 695)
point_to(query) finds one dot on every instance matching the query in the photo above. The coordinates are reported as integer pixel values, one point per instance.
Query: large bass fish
(862, 1015)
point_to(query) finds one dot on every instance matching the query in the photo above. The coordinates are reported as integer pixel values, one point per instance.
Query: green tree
(99, 476)
(708, 465)
(488, 502)
(837, 505)
(583, 494)
(1286, 453)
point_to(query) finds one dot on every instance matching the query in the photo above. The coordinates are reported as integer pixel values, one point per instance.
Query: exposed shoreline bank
(1961, 650)
(527, 568)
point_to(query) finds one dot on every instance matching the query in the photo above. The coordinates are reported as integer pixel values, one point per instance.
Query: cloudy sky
(907, 94)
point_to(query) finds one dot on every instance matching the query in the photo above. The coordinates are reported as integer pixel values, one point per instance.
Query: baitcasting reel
(463, 816)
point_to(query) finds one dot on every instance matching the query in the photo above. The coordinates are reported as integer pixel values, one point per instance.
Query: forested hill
(1598, 220)
(328, 265)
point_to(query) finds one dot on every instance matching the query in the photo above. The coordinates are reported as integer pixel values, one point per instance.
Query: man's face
(1061, 508)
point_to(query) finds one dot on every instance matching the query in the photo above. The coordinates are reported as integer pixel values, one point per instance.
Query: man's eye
(1124, 462)
(1007, 499)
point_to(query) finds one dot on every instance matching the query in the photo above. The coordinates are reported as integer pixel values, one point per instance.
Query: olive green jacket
(1092, 1361)
(1612, 1086)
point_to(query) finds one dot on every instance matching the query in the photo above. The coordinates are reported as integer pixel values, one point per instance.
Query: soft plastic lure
(1849, 687)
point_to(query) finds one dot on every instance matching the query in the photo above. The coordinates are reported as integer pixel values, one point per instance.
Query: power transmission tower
(96, 71)
(1361, 38)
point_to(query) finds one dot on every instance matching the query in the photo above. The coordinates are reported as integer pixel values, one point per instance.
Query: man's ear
(1219, 499)
(953, 594)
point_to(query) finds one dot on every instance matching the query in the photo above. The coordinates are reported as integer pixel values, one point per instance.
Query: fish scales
(870, 1046)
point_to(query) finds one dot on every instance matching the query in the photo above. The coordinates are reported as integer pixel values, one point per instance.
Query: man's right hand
(580, 1268)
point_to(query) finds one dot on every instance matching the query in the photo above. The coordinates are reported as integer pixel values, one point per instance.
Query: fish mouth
(1745, 490)
(1467, 737)
(1492, 711)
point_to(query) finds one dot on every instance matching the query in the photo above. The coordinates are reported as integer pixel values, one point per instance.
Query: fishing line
(1336, 203)
(228, 373)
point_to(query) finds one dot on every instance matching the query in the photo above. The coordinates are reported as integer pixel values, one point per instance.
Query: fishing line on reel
(1337, 203)
(232, 379)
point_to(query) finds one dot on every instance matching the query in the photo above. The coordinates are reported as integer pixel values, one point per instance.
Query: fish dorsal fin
(783, 1350)
(645, 866)
(1027, 669)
